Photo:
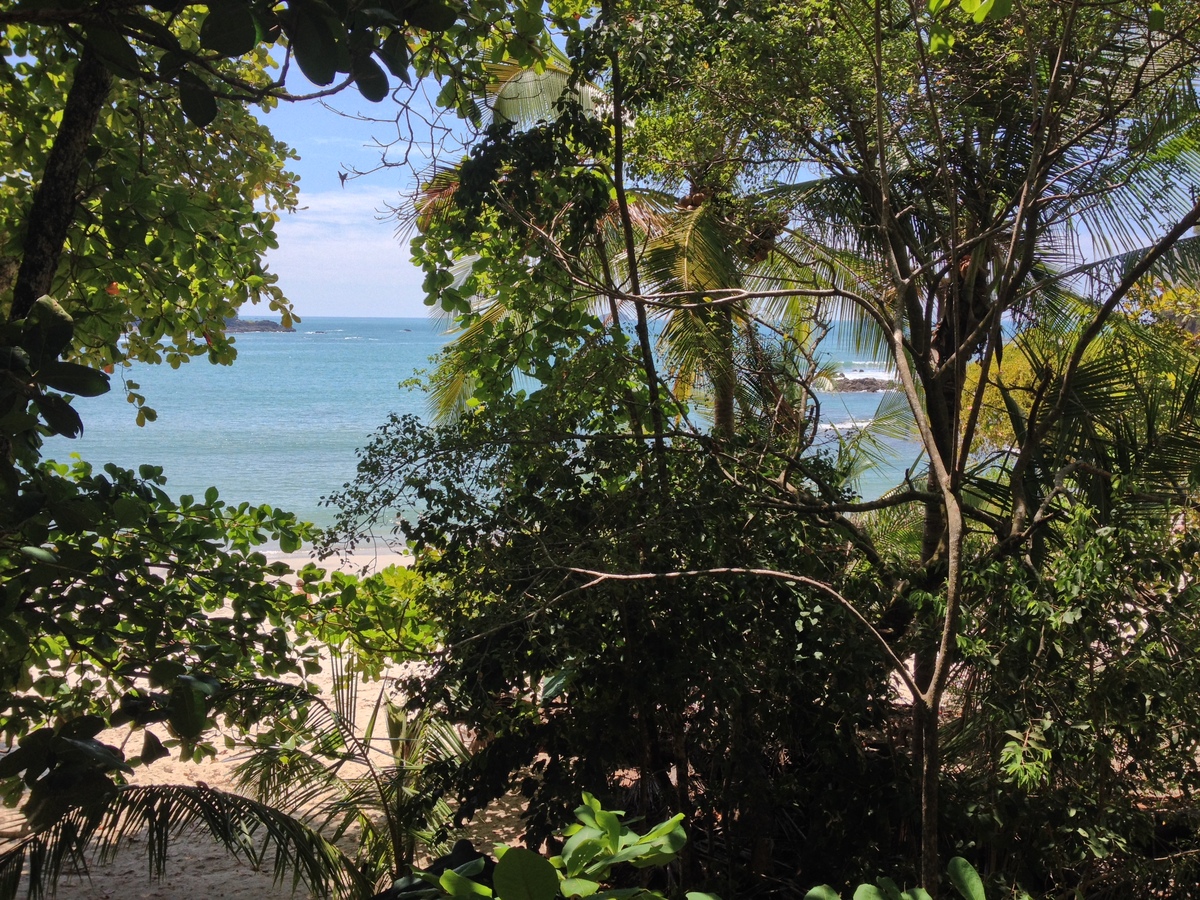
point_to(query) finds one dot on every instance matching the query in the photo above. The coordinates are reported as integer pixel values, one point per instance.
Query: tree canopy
(650, 569)
(971, 191)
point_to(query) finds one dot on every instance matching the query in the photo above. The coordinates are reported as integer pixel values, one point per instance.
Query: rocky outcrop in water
(868, 384)
(236, 325)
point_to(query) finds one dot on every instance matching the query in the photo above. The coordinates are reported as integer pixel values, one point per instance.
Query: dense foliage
(643, 566)
(652, 565)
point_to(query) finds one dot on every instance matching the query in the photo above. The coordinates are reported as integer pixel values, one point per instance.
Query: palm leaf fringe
(248, 829)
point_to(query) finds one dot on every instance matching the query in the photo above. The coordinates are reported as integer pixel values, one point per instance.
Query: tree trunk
(54, 202)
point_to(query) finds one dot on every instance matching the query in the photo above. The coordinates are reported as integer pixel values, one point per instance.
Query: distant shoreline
(248, 326)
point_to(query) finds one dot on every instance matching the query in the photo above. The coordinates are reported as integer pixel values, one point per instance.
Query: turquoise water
(282, 424)
(279, 426)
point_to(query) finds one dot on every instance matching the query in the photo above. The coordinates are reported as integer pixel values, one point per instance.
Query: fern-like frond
(248, 829)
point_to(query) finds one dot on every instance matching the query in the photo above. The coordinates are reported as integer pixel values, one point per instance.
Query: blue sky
(338, 255)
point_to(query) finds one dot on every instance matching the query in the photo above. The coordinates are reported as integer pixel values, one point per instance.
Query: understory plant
(596, 846)
(352, 765)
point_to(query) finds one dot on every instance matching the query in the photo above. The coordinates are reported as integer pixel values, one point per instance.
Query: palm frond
(248, 829)
(691, 254)
(525, 96)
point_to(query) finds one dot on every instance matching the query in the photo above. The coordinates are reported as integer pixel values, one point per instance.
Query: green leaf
(869, 892)
(395, 55)
(524, 875)
(965, 879)
(457, 886)
(581, 848)
(188, 713)
(165, 671)
(371, 80)
(31, 753)
(128, 512)
(152, 748)
(556, 684)
(41, 554)
(48, 331)
(90, 753)
(59, 415)
(611, 825)
(72, 378)
(83, 727)
(14, 359)
(431, 15)
(229, 29)
(579, 887)
(313, 42)
(822, 892)
(199, 104)
(1158, 18)
(52, 796)
(941, 38)
(112, 47)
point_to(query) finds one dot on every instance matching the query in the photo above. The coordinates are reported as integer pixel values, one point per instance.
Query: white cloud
(339, 256)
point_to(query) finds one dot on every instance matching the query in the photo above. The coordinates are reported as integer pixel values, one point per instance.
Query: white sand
(198, 867)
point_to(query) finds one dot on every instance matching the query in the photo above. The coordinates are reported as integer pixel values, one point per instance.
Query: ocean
(282, 424)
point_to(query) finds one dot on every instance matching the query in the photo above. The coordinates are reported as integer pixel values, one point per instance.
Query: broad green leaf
(90, 753)
(14, 359)
(581, 848)
(112, 47)
(430, 15)
(229, 28)
(48, 331)
(59, 415)
(52, 796)
(31, 753)
(610, 824)
(1158, 17)
(83, 727)
(188, 714)
(556, 684)
(457, 886)
(152, 748)
(675, 823)
(869, 892)
(941, 38)
(197, 100)
(578, 887)
(395, 55)
(313, 42)
(165, 671)
(371, 80)
(965, 879)
(524, 875)
(72, 378)
(822, 892)
(41, 554)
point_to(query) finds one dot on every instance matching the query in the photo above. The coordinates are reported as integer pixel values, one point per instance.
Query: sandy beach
(198, 867)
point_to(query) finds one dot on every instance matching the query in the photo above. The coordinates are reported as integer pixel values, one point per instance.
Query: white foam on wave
(856, 372)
